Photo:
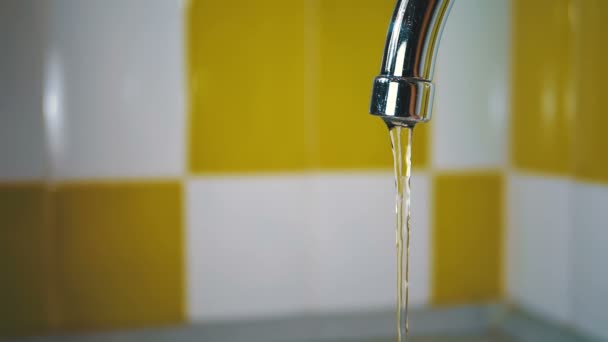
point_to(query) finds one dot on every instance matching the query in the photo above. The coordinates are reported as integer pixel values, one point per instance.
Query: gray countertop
(484, 323)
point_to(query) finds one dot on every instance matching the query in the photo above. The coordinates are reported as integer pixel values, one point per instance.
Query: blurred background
(207, 170)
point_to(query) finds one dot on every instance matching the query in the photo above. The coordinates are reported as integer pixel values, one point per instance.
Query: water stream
(401, 139)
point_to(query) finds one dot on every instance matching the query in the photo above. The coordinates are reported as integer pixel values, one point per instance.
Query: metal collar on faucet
(403, 92)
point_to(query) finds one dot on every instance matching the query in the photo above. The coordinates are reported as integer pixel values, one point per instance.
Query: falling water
(401, 139)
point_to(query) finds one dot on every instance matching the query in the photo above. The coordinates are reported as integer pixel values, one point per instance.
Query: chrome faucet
(403, 92)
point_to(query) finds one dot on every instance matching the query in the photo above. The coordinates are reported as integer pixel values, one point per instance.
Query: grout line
(186, 10)
(312, 56)
(186, 88)
(113, 181)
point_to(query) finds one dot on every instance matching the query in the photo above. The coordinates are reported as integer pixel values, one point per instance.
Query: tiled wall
(467, 139)
(92, 126)
(278, 193)
(206, 160)
(24, 237)
(557, 187)
(283, 155)
(172, 161)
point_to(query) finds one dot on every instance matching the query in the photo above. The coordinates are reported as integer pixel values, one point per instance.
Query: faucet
(402, 94)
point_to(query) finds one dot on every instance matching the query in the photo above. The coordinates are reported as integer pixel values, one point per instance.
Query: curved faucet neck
(403, 92)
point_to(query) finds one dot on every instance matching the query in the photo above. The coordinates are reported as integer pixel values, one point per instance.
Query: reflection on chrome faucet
(403, 92)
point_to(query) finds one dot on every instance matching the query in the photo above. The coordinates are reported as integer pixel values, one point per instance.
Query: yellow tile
(246, 84)
(24, 267)
(541, 112)
(467, 237)
(420, 148)
(121, 254)
(591, 122)
(352, 36)
(285, 85)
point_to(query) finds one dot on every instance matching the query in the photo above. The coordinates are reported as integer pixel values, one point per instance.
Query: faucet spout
(403, 92)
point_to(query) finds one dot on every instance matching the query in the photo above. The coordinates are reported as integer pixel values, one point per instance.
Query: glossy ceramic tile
(589, 237)
(467, 237)
(22, 144)
(121, 255)
(542, 102)
(247, 89)
(316, 243)
(25, 242)
(353, 245)
(591, 141)
(556, 226)
(306, 110)
(470, 120)
(539, 248)
(248, 242)
(117, 89)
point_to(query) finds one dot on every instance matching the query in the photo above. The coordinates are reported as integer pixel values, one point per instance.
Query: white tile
(470, 116)
(120, 92)
(22, 142)
(539, 245)
(247, 247)
(266, 246)
(354, 242)
(589, 258)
